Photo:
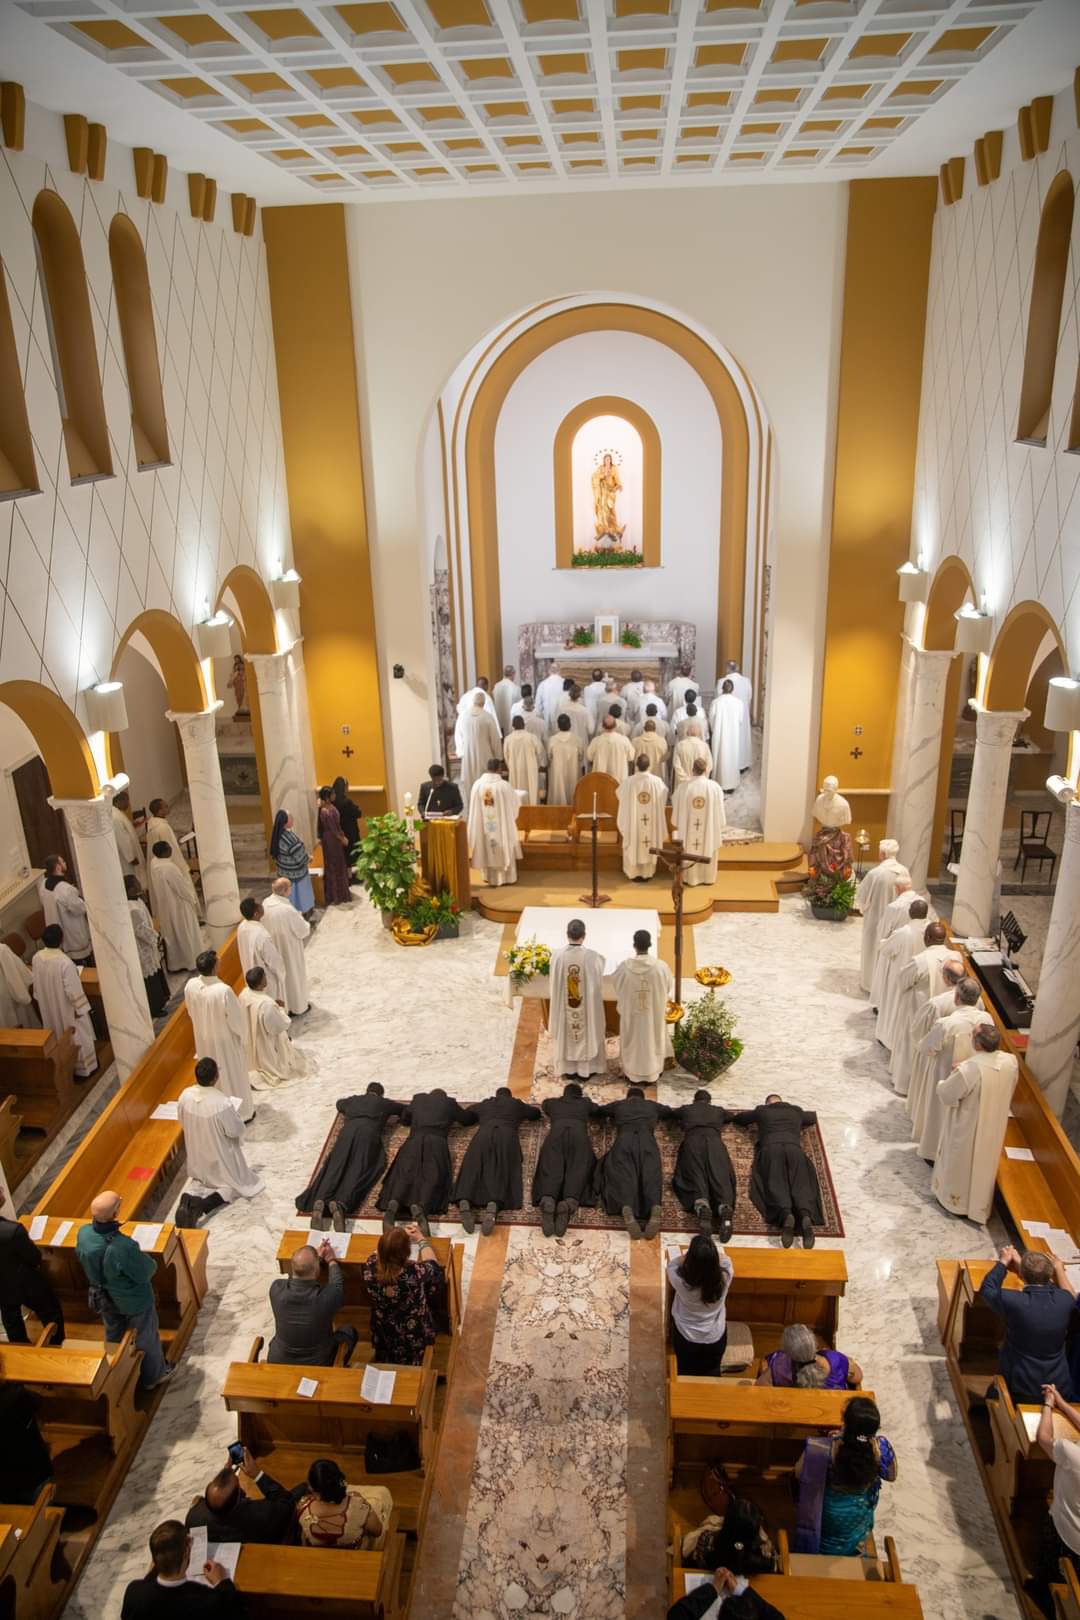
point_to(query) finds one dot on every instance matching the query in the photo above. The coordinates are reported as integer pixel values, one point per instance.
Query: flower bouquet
(528, 960)
(705, 1040)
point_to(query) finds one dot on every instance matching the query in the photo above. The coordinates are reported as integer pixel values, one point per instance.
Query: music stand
(595, 898)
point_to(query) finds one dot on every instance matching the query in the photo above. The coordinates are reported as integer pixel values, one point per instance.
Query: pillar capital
(930, 657)
(997, 727)
(200, 726)
(87, 818)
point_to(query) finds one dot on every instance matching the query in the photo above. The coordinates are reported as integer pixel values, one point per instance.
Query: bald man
(610, 751)
(288, 930)
(119, 1274)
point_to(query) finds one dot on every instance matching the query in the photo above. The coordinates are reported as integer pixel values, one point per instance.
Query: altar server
(490, 1176)
(61, 999)
(525, 755)
(549, 695)
(699, 817)
(595, 696)
(159, 830)
(744, 691)
(16, 984)
(217, 1021)
(176, 907)
(947, 1044)
(643, 987)
(688, 750)
(565, 755)
(653, 746)
(272, 1058)
(576, 1019)
(148, 945)
(257, 949)
(641, 820)
(288, 930)
(479, 742)
(919, 980)
(976, 1097)
(893, 957)
(874, 893)
(684, 682)
(611, 752)
(63, 904)
(576, 712)
(213, 1132)
(128, 847)
(493, 835)
(507, 692)
(727, 714)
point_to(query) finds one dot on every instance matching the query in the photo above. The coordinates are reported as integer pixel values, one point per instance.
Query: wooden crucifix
(676, 858)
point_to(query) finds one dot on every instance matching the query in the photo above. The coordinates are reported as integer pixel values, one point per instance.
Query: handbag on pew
(390, 1453)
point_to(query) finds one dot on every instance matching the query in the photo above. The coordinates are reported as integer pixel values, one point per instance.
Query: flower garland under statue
(830, 851)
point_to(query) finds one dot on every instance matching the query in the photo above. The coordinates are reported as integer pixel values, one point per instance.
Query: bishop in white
(576, 1019)
(493, 836)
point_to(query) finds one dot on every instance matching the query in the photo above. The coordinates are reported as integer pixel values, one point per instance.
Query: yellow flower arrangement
(528, 960)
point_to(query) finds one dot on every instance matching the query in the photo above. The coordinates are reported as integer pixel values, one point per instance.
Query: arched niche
(951, 586)
(254, 609)
(135, 310)
(60, 739)
(645, 427)
(71, 329)
(176, 658)
(18, 469)
(1013, 657)
(1044, 312)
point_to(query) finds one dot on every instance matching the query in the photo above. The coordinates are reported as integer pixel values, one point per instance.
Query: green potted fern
(385, 864)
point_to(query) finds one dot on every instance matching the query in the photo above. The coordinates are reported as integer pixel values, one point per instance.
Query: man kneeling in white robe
(576, 1019)
(493, 838)
(643, 987)
(213, 1132)
(697, 810)
(641, 820)
(272, 1058)
(59, 994)
(257, 949)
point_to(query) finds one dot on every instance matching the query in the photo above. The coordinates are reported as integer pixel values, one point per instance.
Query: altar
(609, 930)
(666, 645)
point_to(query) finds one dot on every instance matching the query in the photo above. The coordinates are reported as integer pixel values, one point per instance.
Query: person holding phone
(229, 1514)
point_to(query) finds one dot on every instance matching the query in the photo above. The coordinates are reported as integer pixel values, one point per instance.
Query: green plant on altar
(615, 558)
(705, 1039)
(630, 638)
(385, 862)
(831, 892)
(528, 960)
(582, 636)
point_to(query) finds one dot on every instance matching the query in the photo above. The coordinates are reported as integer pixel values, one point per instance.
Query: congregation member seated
(490, 1174)
(1036, 1318)
(334, 1513)
(402, 1292)
(801, 1364)
(229, 1514)
(736, 1539)
(25, 1463)
(304, 1310)
(420, 1177)
(169, 1589)
(783, 1183)
(356, 1160)
(700, 1280)
(732, 1596)
(1061, 1532)
(839, 1478)
(567, 1164)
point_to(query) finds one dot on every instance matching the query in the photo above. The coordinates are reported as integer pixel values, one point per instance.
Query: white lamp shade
(1062, 704)
(105, 707)
(974, 632)
(217, 637)
(285, 591)
(914, 583)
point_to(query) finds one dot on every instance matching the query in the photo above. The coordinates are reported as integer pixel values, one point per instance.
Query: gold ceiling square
(649, 61)
(188, 88)
(640, 103)
(290, 154)
(488, 67)
(467, 143)
(247, 126)
(735, 5)
(705, 132)
(785, 93)
(882, 123)
(915, 89)
(542, 11)
(589, 137)
(565, 62)
(707, 98)
(640, 134)
(371, 19)
(639, 163)
(262, 84)
(283, 24)
(403, 73)
(798, 50)
(507, 109)
(310, 121)
(350, 151)
(578, 106)
(482, 168)
(719, 55)
(760, 129)
(746, 157)
(846, 92)
(195, 29)
(336, 78)
(439, 115)
(961, 39)
(879, 45)
(534, 166)
(398, 147)
(111, 35)
(693, 157)
(324, 175)
(432, 173)
(378, 174)
(642, 8)
(510, 141)
(857, 151)
(820, 126)
(376, 118)
(802, 152)
(459, 13)
(586, 163)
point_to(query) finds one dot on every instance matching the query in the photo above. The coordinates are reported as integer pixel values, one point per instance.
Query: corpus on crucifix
(677, 859)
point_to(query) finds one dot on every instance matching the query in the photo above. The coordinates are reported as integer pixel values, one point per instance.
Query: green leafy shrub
(607, 559)
(705, 1039)
(385, 862)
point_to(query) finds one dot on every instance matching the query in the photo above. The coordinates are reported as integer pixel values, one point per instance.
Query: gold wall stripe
(77, 136)
(13, 115)
(448, 542)
(97, 145)
(652, 472)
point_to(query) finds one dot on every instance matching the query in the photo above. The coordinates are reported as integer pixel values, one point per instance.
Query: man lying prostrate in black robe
(356, 1160)
(628, 1177)
(704, 1178)
(567, 1164)
(490, 1174)
(419, 1178)
(783, 1185)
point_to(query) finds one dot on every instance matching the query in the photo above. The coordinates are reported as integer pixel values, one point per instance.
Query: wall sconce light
(914, 582)
(974, 630)
(105, 707)
(217, 637)
(1061, 788)
(1062, 704)
(285, 590)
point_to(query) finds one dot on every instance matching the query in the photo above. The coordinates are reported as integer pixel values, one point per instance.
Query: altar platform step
(552, 850)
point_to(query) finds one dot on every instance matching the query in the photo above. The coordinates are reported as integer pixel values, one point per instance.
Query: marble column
(116, 956)
(285, 786)
(995, 730)
(898, 770)
(298, 694)
(1055, 1023)
(210, 816)
(915, 822)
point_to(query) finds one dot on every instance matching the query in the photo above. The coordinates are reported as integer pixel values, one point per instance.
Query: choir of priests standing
(549, 695)
(288, 930)
(727, 720)
(61, 999)
(525, 755)
(610, 751)
(641, 820)
(875, 891)
(576, 1018)
(643, 987)
(507, 692)
(478, 741)
(493, 836)
(217, 1022)
(653, 744)
(176, 908)
(976, 1098)
(565, 755)
(690, 748)
(697, 810)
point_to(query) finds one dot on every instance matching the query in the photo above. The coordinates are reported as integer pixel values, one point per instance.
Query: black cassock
(629, 1175)
(703, 1169)
(783, 1181)
(421, 1171)
(357, 1159)
(567, 1163)
(491, 1169)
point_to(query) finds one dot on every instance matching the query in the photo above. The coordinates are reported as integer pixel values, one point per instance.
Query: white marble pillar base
(210, 817)
(995, 730)
(1055, 1023)
(922, 749)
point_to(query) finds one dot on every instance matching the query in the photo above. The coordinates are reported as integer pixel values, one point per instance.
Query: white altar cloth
(609, 929)
(609, 652)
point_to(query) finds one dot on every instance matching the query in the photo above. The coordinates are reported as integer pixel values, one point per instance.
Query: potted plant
(831, 894)
(582, 637)
(385, 863)
(439, 910)
(630, 638)
(705, 1039)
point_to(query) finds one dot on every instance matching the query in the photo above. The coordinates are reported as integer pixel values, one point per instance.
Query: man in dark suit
(169, 1591)
(304, 1310)
(783, 1184)
(22, 1282)
(229, 1514)
(1036, 1319)
(438, 797)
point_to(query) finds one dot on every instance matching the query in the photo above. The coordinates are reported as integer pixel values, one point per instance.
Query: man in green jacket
(119, 1275)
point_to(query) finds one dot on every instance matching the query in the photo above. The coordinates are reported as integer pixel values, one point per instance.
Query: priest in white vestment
(127, 839)
(643, 987)
(577, 714)
(874, 893)
(176, 908)
(595, 697)
(549, 695)
(288, 930)
(148, 945)
(576, 1016)
(641, 820)
(617, 714)
(690, 716)
(16, 986)
(507, 692)
(64, 905)
(688, 751)
(727, 713)
(159, 830)
(947, 1045)
(976, 1097)
(217, 1020)
(660, 726)
(655, 748)
(534, 722)
(697, 810)
(213, 1134)
(272, 1058)
(922, 978)
(684, 682)
(565, 756)
(467, 703)
(493, 835)
(525, 755)
(257, 949)
(744, 691)
(895, 954)
(611, 752)
(896, 913)
(479, 742)
(651, 695)
(632, 693)
(937, 1007)
(61, 999)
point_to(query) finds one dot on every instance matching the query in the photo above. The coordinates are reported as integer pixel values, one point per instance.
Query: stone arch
(1012, 659)
(607, 405)
(60, 739)
(254, 609)
(176, 656)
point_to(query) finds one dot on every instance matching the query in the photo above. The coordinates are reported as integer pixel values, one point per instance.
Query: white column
(298, 692)
(217, 867)
(1055, 1023)
(284, 760)
(995, 730)
(116, 956)
(915, 820)
(898, 771)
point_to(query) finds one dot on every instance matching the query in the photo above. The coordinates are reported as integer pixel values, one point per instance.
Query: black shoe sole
(547, 1217)
(787, 1232)
(808, 1236)
(468, 1221)
(337, 1216)
(487, 1222)
(724, 1228)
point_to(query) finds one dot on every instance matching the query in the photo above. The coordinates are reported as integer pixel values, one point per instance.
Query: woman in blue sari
(840, 1479)
(290, 856)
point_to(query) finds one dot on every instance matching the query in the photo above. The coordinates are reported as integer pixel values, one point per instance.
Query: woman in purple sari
(333, 841)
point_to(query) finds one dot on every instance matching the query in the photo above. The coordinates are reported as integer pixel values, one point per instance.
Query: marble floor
(566, 1397)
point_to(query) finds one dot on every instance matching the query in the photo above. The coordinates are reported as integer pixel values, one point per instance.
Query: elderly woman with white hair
(801, 1364)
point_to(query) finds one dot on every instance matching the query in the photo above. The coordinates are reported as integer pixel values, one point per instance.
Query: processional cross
(676, 858)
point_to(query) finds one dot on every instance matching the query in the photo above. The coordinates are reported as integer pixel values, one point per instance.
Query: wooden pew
(808, 1598)
(743, 1425)
(1067, 1595)
(330, 1581)
(864, 1566)
(288, 1431)
(38, 1070)
(32, 1572)
(357, 1308)
(13, 1163)
(772, 1288)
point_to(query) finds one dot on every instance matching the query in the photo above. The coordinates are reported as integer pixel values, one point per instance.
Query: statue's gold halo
(712, 977)
(673, 1012)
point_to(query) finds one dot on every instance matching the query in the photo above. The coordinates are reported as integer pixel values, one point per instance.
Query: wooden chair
(1034, 845)
(16, 943)
(866, 1566)
(602, 787)
(35, 925)
(957, 819)
(1067, 1595)
(813, 1598)
(31, 1569)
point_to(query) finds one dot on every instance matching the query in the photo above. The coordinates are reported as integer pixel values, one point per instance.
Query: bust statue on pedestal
(830, 850)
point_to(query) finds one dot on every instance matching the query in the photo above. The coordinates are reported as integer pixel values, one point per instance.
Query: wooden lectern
(444, 858)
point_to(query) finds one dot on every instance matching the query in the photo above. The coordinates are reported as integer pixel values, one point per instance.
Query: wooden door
(43, 827)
